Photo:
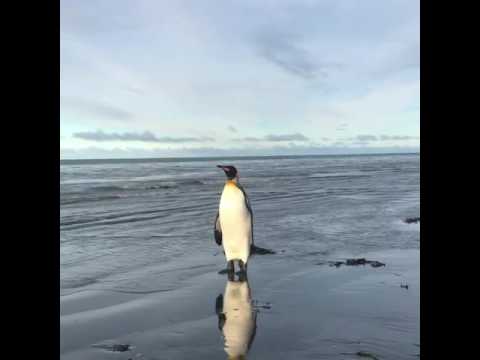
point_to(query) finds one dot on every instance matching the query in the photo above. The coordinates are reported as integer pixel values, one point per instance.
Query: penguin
(234, 222)
(237, 318)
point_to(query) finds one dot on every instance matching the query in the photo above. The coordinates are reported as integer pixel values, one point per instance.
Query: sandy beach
(303, 311)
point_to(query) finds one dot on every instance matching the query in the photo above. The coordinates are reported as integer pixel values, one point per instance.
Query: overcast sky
(144, 78)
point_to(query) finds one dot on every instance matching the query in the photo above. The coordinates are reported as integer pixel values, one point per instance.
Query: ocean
(124, 223)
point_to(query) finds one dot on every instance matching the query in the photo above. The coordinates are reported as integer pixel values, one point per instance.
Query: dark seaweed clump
(356, 262)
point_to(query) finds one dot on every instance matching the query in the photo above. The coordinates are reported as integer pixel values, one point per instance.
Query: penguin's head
(230, 171)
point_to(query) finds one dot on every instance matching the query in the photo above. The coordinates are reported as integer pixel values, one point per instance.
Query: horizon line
(240, 156)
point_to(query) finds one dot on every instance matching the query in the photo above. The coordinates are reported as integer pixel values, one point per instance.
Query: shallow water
(139, 264)
(298, 311)
(122, 220)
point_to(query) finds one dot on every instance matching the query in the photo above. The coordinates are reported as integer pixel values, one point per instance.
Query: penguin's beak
(221, 167)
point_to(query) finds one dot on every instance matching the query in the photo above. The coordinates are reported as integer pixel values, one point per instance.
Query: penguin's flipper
(218, 230)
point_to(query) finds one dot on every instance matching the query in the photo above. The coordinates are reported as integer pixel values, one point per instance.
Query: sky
(153, 78)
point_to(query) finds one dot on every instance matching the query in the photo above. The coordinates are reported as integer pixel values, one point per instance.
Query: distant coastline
(203, 158)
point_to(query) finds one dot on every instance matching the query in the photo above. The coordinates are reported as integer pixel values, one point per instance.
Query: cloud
(360, 143)
(146, 136)
(276, 138)
(398, 137)
(79, 19)
(283, 51)
(95, 108)
(249, 138)
(287, 55)
(363, 138)
(261, 65)
(366, 138)
(135, 90)
(399, 58)
(288, 137)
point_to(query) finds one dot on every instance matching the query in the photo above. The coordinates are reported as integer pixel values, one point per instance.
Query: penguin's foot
(242, 275)
(231, 266)
(242, 265)
(228, 270)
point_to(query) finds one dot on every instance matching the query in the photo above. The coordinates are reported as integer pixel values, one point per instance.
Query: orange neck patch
(231, 182)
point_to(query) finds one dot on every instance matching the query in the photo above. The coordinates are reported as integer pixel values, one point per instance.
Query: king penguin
(234, 221)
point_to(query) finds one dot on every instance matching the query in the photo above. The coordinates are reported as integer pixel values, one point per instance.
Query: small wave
(339, 174)
(129, 217)
(76, 283)
(159, 187)
(172, 184)
(139, 179)
(133, 292)
(89, 181)
(107, 188)
(190, 182)
(85, 195)
(88, 199)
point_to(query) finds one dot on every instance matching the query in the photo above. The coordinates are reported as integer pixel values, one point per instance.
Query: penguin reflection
(237, 319)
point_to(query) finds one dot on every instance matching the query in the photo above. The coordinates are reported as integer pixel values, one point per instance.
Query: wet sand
(302, 310)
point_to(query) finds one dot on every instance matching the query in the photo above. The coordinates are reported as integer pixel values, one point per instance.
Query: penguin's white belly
(236, 224)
